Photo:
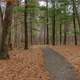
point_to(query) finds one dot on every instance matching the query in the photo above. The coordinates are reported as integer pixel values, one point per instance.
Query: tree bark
(60, 32)
(65, 35)
(26, 27)
(74, 23)
(47, 27)
(53, 23)
(76, 14)
(6, 23)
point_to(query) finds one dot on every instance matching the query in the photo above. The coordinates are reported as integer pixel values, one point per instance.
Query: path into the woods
(58, 67)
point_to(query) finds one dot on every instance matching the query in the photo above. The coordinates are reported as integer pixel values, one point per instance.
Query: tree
(76, 13)
(32, 9)
(60, 32)
(6, 23)
(31, 16)
(53, 23)
(47, 22)
(66, 24)
(26, 27)
(74, 23)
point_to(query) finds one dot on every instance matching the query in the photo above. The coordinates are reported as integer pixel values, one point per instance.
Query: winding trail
(58, 67)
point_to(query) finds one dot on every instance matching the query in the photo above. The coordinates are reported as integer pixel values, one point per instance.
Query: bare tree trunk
(31, 24)
(53, 23)
(47, 42)
(26, 27)
(76, 13)
(60, 33)
(65, 35)
(74, 23)
(9, 40)
(44, 34)
(6, 23)
(66, 29)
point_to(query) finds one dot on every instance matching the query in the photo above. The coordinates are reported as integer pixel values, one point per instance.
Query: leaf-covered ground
(23, 65)
(29, 64)
(72, 54)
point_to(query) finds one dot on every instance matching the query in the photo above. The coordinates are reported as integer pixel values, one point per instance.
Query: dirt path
(58, 67)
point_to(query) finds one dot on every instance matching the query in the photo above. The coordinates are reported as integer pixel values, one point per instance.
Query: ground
(30, 64)
(72, 54)
(23, 65)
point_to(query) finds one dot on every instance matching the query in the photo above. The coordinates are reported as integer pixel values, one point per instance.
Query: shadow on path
(58, 67)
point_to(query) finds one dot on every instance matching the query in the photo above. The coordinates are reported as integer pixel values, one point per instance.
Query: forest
(39, 39)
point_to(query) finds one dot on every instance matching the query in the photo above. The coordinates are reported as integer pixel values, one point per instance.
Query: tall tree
(65, 31)
(76, 13)
(60, 32)
(6, 23)
(32, 9)
(31, 16)
(74, 23)
(47, 42)
(53, 22)
(26, 26)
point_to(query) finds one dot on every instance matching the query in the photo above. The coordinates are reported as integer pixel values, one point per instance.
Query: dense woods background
(27, 22)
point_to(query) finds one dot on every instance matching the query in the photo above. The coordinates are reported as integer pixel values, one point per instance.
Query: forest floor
(23, 65)
(58, 56)
(30, 64)
(71, 54)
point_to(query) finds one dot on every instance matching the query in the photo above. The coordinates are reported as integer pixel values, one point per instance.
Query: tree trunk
(44, 34)
(9, 40)
(76, 13)
(74, 23)
(53, 23)
(6, 23)
(66, 29)
(31, 24)
(60, 33)
(65, 35)
(47, 42)
(26, 27)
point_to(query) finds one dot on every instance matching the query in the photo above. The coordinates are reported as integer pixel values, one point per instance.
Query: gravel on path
(58, 67)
